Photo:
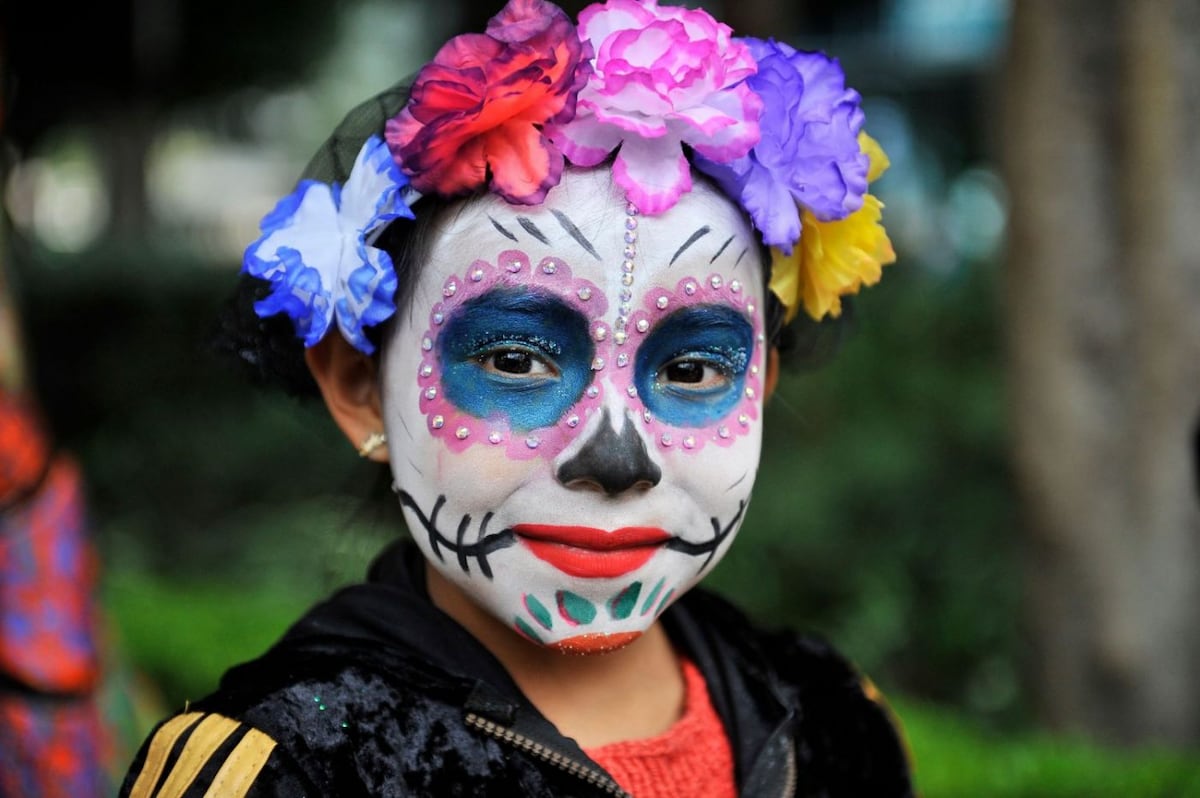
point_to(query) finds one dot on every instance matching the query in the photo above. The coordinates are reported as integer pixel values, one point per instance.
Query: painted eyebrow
(501, 228)
(575, 233)
(722, 249)
(692, 239)
(532, 229)
(739, 481)
(739, 259)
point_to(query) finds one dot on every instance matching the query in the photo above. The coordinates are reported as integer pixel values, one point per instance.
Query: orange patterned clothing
(24, 453)
(691, 758)
(53, 741)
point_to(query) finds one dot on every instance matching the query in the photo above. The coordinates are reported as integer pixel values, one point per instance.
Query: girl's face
(573, 403)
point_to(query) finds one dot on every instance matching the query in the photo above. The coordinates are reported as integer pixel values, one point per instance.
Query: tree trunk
(1102, 117)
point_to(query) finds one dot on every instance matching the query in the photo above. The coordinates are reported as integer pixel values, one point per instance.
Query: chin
(585, 645)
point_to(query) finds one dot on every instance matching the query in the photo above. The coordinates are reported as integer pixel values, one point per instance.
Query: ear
(772, 378)
(349, 383)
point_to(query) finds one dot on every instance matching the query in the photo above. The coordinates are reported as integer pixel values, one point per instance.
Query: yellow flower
(879, 159)
(834, 259)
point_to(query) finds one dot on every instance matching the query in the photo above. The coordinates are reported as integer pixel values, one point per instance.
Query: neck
(631, 693)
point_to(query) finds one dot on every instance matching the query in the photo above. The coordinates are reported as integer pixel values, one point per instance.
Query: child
(562, 354)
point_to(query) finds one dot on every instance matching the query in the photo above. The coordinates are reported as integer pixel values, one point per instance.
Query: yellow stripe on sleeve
(200, 746)
(160, 748)
(242, 767)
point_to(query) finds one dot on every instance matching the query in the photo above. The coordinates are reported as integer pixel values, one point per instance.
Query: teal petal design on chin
(575, 609)
(539, 612)
(527, 630)
(653, 596)
(666, 600)
(621, 605)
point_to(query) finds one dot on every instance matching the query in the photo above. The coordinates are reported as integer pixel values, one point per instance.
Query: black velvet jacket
(377, 693)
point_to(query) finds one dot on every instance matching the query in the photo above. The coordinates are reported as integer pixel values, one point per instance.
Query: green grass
(954, 757)
(184, 635)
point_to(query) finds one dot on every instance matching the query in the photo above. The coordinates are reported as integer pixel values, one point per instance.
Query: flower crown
(777, 129)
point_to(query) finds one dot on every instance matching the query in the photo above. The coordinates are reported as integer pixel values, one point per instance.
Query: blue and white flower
(314, 250)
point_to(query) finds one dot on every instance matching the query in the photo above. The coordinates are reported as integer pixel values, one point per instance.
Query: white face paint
(574, 401)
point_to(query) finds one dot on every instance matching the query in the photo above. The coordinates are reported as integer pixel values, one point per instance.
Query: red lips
(592, 553)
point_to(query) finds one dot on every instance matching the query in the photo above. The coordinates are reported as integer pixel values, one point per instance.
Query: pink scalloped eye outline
(460, 430)
(660, 302)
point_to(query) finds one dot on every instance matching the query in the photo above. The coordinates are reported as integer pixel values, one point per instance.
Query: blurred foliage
(158, 54)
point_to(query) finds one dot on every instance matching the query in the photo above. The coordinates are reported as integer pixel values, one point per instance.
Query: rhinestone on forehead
(628, 264)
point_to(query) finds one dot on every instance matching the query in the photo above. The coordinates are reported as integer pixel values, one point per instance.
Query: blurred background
(988, 499)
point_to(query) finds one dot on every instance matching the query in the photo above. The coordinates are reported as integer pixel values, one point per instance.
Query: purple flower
(664, 77)
(808, 154)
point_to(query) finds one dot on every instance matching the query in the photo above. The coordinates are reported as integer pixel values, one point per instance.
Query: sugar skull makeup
(573, 400)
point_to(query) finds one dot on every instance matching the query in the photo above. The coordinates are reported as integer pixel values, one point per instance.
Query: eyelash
(725, 367)
(485, 356)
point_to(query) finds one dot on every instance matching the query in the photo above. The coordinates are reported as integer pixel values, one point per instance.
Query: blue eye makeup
(515, 353)
(690, 370)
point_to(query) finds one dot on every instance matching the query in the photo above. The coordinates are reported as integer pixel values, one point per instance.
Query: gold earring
(373, 442)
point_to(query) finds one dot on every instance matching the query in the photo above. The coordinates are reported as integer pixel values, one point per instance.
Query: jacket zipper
(789, 790)
(504, 734)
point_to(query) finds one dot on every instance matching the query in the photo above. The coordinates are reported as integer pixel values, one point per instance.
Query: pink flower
(478, 107)
(663, 77)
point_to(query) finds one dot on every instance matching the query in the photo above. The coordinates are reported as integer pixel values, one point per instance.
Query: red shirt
(691, 758)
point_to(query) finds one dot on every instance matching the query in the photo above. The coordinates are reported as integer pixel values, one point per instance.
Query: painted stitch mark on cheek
(509, 351)
(699, 362)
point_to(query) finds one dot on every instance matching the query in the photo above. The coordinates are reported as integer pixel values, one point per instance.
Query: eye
(693, 373)
(516, 361)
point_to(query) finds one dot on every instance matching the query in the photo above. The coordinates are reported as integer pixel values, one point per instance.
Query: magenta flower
(663, 77)
(809, 153)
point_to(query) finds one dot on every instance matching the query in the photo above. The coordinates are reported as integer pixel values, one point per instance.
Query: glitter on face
(533, 310)
(520, 458)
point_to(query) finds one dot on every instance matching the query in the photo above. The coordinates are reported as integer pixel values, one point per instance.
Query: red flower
(480, 104)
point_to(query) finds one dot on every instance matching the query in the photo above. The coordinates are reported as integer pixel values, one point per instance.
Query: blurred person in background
(53, 741)
(594, 242)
